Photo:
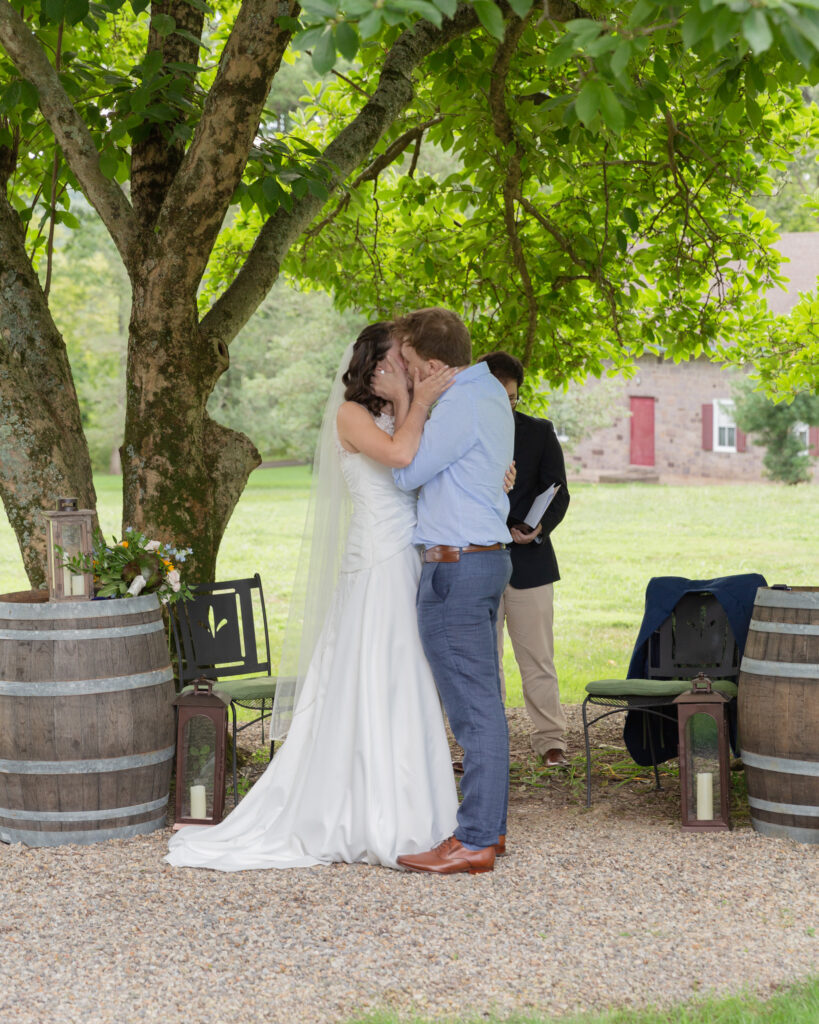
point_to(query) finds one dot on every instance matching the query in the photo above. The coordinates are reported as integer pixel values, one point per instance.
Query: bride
(365, 773)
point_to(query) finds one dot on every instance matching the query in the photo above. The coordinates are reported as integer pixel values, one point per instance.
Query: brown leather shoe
(500, 847)
(449, 858)
(554, 758)
(458, 767)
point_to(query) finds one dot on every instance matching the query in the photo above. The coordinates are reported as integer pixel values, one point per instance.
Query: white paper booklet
(539, 506)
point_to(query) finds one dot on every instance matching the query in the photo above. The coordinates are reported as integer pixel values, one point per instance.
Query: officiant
(527, 605)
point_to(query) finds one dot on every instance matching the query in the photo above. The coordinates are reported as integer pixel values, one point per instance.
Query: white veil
(322, 545)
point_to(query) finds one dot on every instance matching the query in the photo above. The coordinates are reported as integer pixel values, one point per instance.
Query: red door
(642, 431)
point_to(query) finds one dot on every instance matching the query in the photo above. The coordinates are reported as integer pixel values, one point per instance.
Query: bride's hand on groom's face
(429, 390)
(390, 379)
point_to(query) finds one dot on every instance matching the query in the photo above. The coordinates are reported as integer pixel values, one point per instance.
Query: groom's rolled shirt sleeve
(448, 435)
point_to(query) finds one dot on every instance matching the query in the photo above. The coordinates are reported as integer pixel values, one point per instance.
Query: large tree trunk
(180, 468)
(43, 451)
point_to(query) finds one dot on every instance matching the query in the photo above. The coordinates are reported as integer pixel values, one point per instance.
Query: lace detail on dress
(384, 421)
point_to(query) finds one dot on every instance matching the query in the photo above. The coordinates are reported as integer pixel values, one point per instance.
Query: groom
(465, 449)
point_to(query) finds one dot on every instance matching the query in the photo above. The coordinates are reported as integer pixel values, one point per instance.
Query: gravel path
(590, 909)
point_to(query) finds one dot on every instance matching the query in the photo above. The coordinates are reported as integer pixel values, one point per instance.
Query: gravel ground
(590, 909)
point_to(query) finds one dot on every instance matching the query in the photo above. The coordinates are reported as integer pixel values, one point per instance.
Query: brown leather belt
(446, 553)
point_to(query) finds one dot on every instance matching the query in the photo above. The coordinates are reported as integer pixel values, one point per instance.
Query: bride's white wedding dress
(365, 772)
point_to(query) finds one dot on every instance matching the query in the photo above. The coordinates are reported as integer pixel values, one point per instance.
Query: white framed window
(725, 428)
(802, 434)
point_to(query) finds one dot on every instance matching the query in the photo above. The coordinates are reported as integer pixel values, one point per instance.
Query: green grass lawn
(614, 538)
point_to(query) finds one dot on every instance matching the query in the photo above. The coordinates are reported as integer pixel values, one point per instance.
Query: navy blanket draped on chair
(736, 595)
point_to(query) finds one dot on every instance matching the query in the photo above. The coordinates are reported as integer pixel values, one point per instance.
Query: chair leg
(651, 748)
(588, 754)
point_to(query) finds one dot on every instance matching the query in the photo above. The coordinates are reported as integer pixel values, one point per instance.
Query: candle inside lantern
(199, 806)
(77, 586)
(705, 796)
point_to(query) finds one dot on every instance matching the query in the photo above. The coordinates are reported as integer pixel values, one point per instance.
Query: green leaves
(490, 17)
(596, 97)
(757, 31)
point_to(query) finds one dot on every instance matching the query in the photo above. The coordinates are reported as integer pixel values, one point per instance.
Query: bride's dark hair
(370, 348)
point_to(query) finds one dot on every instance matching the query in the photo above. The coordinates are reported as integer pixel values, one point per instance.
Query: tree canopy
(606, 159)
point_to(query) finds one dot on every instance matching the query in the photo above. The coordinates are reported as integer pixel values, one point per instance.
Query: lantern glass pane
(702, 743)
(200, 767)
(71, 541)
(71, 538)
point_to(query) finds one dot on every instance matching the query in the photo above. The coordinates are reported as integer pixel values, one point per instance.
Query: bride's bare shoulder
(351, 410)
(353, 422)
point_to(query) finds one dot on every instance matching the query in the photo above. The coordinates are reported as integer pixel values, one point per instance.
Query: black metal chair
(216, 637)
(696, 637)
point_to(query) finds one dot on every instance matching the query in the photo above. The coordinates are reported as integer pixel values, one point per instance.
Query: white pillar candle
(78, 586)
(705, 796)
(199, 804)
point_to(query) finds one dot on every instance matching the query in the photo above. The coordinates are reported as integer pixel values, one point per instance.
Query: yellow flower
(123, 543)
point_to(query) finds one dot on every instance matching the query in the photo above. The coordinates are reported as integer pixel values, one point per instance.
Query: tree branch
(350, 147)
(69, 130)
(154, 160)
(390, 155)
(195, 205)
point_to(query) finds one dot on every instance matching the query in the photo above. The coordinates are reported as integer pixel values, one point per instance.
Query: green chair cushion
(245, 689)
(652, 687)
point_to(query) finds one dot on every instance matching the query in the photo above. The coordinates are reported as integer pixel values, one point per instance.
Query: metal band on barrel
(803, 810)
(766, 598)
(799, 628)
(83, 634)
(24, 612)
(81, 687)
(801, 835)
(786, 669)
(108, 812)
(785, 765)
(105, 764)
(81, 838)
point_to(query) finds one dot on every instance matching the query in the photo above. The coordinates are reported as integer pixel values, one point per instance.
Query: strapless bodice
(383, 517)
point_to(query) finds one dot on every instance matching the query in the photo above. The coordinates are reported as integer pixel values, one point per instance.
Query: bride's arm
(358, 432)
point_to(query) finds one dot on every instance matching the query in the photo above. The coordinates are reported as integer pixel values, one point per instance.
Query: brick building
(676, 421)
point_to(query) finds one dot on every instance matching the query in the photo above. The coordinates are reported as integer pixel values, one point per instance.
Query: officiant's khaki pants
(529, 617)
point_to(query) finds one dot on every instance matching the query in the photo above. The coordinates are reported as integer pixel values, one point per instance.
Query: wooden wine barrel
(779, 713)
(86, 720)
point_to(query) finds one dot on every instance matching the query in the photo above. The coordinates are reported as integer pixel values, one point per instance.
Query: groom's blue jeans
(457, 618)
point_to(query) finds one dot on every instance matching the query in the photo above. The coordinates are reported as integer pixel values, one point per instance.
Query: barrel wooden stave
(88, 687)
(779, 713)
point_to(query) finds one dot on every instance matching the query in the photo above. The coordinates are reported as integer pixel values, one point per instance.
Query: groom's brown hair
(435, 333)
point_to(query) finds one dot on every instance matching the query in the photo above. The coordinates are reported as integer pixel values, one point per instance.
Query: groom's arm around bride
(465, 449)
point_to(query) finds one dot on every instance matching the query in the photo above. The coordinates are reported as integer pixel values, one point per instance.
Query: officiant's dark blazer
(539, 461)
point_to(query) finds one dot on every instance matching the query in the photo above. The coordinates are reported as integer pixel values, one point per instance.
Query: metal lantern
(201, 734)
(70, 529)
(704, 759)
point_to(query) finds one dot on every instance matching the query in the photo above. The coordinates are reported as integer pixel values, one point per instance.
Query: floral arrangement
(133, 566)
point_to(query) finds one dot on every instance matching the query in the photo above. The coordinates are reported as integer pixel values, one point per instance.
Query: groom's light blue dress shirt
(467, 446)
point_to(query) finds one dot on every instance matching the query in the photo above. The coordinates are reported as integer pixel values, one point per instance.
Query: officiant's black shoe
(450, 858)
